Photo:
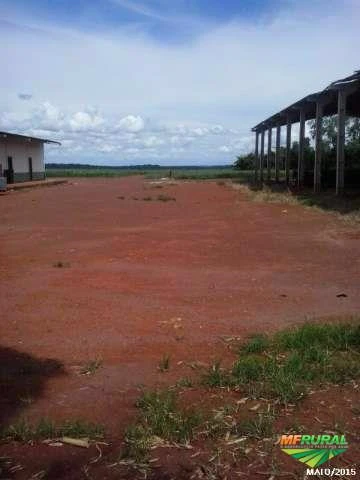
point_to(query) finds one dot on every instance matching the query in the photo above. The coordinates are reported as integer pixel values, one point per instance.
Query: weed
(147, 199)
(216, 376)
(164, 363)
(137, 444)
(159, 413)
(259, 427)
(90, 367)
(184, 383)
(248, 368)
(24, 431)
(256, 344)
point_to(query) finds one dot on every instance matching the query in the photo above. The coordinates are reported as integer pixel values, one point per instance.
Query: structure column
(300, 179)
(288, 148)
(262, 156)
(277, 152)
(318, 146)
(269, 154)
(256, 166)
(340, 142)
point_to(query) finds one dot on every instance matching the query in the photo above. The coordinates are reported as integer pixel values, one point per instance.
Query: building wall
(20, 151)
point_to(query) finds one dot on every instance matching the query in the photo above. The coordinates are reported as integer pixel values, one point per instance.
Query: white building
(22, 157)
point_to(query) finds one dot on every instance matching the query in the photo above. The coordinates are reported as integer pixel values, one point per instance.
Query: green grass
(261, 426)
(160, 419)
(23, 431)
(178, 173)
(285, 365)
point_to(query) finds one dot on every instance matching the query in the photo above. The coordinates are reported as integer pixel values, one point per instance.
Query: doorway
(30, 168)
(10, 171)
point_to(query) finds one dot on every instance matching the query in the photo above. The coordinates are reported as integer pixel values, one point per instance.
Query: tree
(245, 162)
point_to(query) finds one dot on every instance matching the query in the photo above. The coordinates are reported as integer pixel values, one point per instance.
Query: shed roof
(27, 138)
(308, 103)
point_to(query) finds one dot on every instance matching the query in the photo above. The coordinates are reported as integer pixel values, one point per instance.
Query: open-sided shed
(340, 98)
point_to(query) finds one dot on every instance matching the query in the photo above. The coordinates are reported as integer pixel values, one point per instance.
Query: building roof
(328, 96)
(27, 138)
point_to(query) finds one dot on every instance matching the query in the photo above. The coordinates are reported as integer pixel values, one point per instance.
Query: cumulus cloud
(131, 123)
(83, 121)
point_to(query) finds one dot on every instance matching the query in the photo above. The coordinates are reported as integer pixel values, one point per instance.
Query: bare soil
(86, 274)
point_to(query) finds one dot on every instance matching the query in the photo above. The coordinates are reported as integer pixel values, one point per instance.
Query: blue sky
(169, 82)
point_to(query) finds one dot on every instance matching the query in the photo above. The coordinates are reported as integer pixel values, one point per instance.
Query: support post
(256, 156)
(262, 156)
(301, 166)
(288, 149)
(318, 146)
(269, 154)
(340, 142)
(277, 152)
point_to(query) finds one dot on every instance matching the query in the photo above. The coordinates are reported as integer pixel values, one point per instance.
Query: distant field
(180, 173)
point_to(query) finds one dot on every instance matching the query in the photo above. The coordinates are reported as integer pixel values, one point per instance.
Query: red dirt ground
(141, 279)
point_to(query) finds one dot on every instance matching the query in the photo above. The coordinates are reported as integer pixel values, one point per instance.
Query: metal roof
(26, 137)
(308, 103)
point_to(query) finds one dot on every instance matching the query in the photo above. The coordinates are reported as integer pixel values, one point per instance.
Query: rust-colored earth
(95, 270)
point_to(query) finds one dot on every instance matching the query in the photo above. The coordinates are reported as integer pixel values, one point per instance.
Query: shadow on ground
(22, 380)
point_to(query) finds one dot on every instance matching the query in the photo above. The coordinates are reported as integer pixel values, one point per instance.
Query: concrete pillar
(288, 148)
(300, 179)
(262, 156)
(269, 154)
(318, 146)
(277, 152)
(256, 166)
(340, 157)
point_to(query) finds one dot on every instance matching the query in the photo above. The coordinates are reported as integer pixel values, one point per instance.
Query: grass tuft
(164, 364)
(90, 367)
(23, 431)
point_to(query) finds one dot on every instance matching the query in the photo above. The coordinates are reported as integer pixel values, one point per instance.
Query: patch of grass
(216, 376)
(90, 367)
(256, 344)
(285, 365)
(259, 427)
(248, 369)
(137, 444)
(165, 198)
(184, 383)
(161, 415)
(164, 363)
(147, 199)
(23, 431)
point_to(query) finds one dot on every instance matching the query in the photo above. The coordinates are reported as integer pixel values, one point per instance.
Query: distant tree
(245, 162)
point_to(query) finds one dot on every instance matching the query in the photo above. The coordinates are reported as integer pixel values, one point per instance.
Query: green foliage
(245, 162)
(23, 431)
(256, 344)
(286, 364)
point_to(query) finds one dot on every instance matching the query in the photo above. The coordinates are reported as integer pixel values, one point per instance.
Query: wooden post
(288, 148)
(262, 156)
(256, 156)
(340, 142)
(318, 146)
(300, 179)
(277, 152)
(269, 154)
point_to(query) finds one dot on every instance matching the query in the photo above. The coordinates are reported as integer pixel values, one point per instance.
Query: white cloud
(224, 149)
(85, 121)
(131, 123)
(196, 97)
